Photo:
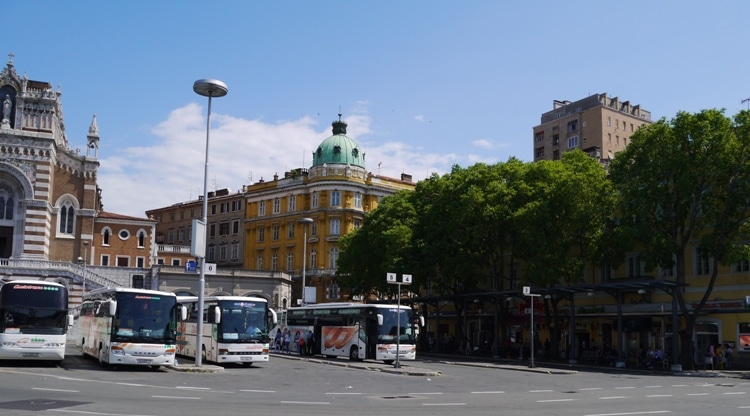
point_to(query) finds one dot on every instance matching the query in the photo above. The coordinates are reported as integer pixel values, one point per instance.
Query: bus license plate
(144, 361)
(246, 358)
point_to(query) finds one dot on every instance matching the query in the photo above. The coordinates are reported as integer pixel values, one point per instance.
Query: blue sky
(423, 85)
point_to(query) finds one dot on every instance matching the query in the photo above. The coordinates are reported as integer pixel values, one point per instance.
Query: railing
(49, 268)
(170, 248)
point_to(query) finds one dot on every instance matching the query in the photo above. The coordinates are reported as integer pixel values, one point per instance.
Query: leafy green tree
(687, 180)
(383, 244)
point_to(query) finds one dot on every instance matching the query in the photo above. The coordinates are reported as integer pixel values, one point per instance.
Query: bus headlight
(117, 351)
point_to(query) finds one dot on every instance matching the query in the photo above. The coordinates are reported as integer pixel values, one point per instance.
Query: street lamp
(304, 222)
(208, 88)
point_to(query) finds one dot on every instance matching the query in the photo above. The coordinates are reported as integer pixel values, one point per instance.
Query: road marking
(176, 397)
(555, 400)
(443, 404)
(487, 392)
(624, 388)
(591, 388)
(541, 391)
(632, 413)
(64, 391)
(131, 384)
(651, 387)
(193, 388)
(697, 394)
(259, 391)
(613, 397)
(735, 392)
(680, 385)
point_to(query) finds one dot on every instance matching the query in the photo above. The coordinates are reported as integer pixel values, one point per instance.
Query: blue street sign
(191, 266)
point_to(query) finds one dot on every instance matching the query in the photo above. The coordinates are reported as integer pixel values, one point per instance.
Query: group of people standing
(720, 356)
(303, 342)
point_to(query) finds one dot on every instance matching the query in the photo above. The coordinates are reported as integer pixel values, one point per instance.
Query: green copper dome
(339, 149)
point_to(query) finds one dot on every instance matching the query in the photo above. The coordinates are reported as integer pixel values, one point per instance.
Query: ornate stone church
(52, 221)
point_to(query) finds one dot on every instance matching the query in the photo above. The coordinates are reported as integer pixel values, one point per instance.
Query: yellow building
(335, 194)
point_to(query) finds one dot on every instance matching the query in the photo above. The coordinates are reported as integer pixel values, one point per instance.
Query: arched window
(141, 238)
(105, 237)
(9, 209)
(66, 217)
(274, 262)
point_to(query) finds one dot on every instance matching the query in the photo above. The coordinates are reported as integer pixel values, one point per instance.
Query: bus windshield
(391, 321)
(144, 318)
(31, 308)
(242, 321)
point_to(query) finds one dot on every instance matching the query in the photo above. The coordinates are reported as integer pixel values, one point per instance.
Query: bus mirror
(217, 315)
(421, 320)
(380, 319)
(71, 320)
(183, 313)
(274, 317)
(112, 307)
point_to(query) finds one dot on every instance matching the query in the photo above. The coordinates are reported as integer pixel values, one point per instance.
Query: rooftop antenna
(746, 100)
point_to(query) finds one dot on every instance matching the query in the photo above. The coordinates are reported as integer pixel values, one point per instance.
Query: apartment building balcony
(172, 249)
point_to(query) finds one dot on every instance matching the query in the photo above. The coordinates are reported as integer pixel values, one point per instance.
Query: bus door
(372, 331)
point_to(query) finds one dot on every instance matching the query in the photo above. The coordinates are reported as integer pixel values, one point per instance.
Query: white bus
(129, 326)
(35, 320)
(235, 329)
(357, 330)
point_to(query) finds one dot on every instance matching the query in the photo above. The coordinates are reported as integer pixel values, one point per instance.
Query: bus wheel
(354, 353)
(388, 362)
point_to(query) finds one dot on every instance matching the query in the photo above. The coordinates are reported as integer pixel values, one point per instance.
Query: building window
(539, 152)
(212, 230)
(358, 200)
(141, 239)
(333, 257)
(6, 207)
(572, 142)
(67, 217)
(105, 238)
(160, 261)
(261, 208)
(291, 203)
(314, 200)
(539, 136)
(335, 198)
(274, 262)
(332, 291)
(335, 226)
(235, 251)
(609, 121)
(223, 252)
(314, 228)
(123, 261)
(105, 260)
(702, 263)
(211, 255)
(275, 232)
(140, 262)
(224, 228)
(175, 262)
(213, 209)
(170, 236)
(290, 229)
(224, 207)
(313, 259)
(555, 139)
(572, 125)
(357, 224)
(261, 233)
(276, 206)
(290, 261)
(636, 267)
(555, 155)
(235, 227)
(124, 234)
(141, 282)
(259, 262)
(180, 235)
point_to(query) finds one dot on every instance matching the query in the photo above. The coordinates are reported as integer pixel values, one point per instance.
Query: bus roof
(222, 297)
(33, 282)
(103, 291)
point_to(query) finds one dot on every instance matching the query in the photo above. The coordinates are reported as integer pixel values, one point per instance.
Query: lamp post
(208, 88)
(527, 292)
(304, 222)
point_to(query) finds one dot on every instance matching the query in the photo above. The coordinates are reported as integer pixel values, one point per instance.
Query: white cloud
(241, 152)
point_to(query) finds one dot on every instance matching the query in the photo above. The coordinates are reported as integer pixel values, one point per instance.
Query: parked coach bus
(357, 330)
(129, 326)
(34, 321)
(235, 329)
